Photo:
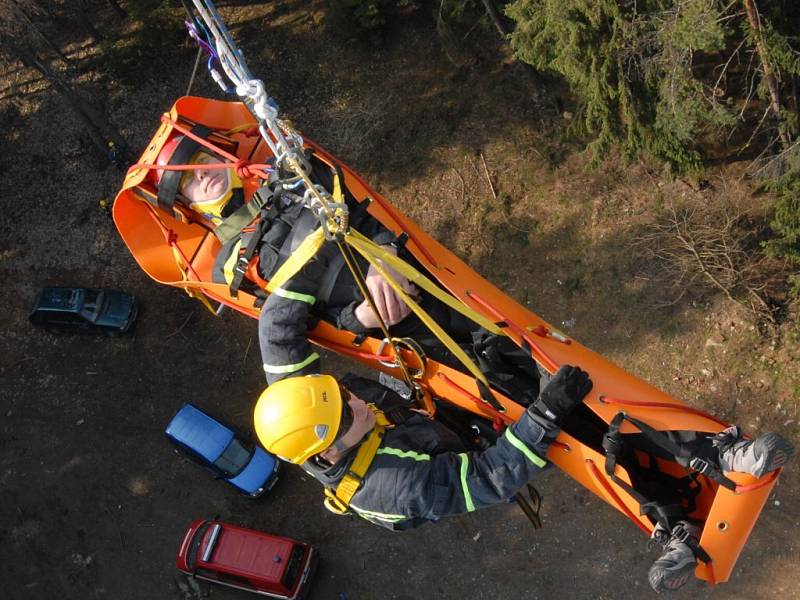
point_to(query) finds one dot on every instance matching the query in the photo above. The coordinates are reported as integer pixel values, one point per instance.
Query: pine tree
(630, 64)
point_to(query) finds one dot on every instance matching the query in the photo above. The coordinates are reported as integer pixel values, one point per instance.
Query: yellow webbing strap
(230, 263)
(337, 188)
(338, 501)
(417, 278)
(440, 333)
(304, 252)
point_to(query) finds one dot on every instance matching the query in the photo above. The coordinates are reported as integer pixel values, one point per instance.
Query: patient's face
(204, 184)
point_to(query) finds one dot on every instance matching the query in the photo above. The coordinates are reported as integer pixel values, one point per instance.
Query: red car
(247, 559)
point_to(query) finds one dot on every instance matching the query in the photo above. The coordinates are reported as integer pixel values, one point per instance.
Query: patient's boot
(757, 457)
(676, 565)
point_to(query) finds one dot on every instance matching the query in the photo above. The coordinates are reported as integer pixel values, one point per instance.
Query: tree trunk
(495, 18)
(100, 130)
(530, 72)
(769, 75)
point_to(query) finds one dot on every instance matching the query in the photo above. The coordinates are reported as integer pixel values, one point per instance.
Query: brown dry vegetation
(92, 501)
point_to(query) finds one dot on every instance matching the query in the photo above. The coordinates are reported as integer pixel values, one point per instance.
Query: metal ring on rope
(407, 344)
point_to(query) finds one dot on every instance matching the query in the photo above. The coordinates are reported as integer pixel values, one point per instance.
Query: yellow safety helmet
(298, 417)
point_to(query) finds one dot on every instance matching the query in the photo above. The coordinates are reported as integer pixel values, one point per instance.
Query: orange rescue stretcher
(181, 252)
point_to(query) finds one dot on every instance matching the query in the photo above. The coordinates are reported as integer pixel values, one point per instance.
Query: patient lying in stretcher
(329, 289)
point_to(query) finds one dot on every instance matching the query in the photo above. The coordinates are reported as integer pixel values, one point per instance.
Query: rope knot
(244, 170)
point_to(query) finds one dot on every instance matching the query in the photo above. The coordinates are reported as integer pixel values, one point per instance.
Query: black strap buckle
(241, 265)
(357, 477)
(612, 444)
(681, 534)
(701, 466)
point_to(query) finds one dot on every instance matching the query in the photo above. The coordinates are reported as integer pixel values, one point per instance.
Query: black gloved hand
(564, 392)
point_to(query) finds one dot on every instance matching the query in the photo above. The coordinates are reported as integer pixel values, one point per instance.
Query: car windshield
(234, 459)
(91, 304)
(191, 555)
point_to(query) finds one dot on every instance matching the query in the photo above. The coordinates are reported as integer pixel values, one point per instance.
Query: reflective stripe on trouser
(404, 453)
(370, 514)
(279, 369)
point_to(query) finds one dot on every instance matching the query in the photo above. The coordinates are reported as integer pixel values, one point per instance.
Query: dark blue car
(84, 309)
(246, 466)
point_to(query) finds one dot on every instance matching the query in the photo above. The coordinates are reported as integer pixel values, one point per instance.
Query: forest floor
(93, 502)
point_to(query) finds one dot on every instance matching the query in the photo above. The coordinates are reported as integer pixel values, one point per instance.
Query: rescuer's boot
(676, 565)
(757, 457)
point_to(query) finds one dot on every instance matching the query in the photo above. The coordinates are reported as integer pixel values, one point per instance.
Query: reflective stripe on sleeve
(295, 296)
(404, 453)
(467, 496)
(278, 369)
(520, 445)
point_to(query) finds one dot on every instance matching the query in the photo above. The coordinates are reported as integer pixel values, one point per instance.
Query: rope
(194, 70)
(498, 419)
(183, 263)
(243, 167)
(364, 244)
(287, 150)
(666, 405)
(355, 269)
(358, 242)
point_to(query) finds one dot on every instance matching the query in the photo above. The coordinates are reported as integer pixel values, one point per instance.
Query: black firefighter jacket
(421, 472)
(292, 309)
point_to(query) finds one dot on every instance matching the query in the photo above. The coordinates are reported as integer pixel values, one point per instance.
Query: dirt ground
(93, 501)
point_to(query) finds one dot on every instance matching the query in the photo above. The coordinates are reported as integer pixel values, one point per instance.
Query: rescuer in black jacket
(419, 471)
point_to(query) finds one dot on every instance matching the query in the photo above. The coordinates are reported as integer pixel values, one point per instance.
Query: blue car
(246, 466)
(84, 309)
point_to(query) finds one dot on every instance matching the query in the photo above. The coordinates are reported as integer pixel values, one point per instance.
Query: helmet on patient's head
(205, 190)
(167, 150)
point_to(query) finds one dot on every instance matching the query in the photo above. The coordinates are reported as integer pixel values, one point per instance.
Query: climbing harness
(338, 500)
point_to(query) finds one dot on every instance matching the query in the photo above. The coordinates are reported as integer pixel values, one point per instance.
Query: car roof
(194, 428)
(249, 553)
(60, 299)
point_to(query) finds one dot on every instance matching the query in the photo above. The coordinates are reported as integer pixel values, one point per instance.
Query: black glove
(565, 391)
